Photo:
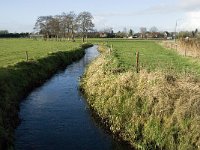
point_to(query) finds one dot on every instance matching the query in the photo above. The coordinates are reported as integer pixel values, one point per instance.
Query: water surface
(54, 116)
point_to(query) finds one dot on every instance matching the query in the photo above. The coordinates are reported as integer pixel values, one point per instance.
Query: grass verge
(150, 110)
(17, 80)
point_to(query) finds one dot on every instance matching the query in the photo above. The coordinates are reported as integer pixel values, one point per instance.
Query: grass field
(153, 57)
(14, 50)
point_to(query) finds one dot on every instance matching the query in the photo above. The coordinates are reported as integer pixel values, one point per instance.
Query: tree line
(6, 34)
(66, 25)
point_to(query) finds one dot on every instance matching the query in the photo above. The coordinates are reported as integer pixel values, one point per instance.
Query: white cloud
(191, 21)
(190, 5)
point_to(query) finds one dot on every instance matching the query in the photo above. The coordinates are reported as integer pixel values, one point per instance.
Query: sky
(21, 15)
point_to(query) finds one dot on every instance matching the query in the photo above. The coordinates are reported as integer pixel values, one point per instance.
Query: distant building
(35, 36)
(130, 37)
(168, 36)
(156, 34)
(136, 35)
(103, 35)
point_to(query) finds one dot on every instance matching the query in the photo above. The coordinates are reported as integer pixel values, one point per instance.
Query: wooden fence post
(185, 51)
(137, 62)
(109, 51)
(26, 55)
(111, 47)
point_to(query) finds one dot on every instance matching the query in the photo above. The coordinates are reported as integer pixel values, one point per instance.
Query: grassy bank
(157, 108)
(17, 80)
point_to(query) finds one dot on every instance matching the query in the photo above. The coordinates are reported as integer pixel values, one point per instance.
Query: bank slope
(150, 110)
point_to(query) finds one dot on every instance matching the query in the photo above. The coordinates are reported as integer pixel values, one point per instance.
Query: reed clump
(191, 46)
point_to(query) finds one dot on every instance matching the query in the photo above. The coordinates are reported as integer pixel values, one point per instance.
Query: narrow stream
(55, 115)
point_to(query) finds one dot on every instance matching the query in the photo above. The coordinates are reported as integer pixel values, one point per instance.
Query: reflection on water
(54, 116)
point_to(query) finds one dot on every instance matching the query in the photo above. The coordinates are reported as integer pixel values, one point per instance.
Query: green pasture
(14, 50)
(152, 57)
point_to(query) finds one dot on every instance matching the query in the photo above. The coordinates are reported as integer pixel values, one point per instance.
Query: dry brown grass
(191, 46)
(184, 47)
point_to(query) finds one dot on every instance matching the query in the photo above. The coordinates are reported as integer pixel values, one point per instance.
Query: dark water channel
(55, 115)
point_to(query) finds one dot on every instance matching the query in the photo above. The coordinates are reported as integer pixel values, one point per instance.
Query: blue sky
(20, 15)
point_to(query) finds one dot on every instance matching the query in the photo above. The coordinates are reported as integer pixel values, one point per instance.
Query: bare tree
(125, 30)
(68, 25)
(54, 25)
(68, 21)
(153, 29)
(72, 18)
(196, 31)
(42, 25)
(143, 30)
(65, 25)
(130, 32)
(4, 32)
(84, 20)
(107, 30)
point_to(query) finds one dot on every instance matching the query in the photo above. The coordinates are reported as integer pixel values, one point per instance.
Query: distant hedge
(14, 35)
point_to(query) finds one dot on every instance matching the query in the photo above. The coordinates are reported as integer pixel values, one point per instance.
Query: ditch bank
(148, 110)
(18, 80)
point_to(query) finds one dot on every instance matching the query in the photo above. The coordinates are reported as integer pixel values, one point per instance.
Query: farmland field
(14, 50)
(152, 108)
(153, 57)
